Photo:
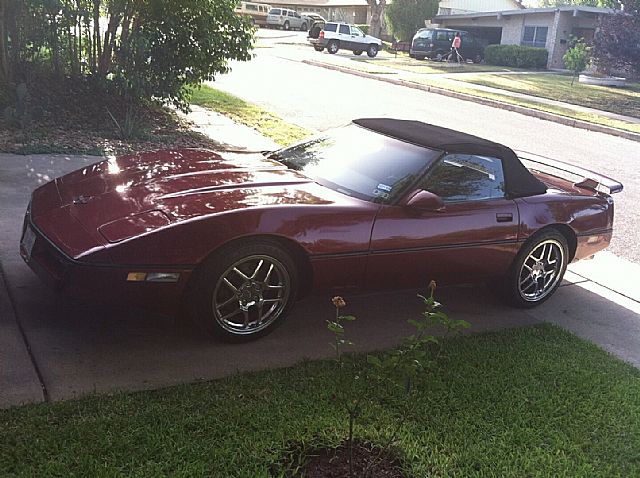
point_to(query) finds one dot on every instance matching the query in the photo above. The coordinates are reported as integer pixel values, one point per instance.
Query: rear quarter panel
(587, 213)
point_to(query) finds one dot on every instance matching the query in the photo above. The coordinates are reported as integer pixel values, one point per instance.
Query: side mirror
(422, 200)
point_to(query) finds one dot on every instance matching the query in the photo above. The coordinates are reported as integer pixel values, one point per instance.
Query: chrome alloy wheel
(251, 294)
(541, 270)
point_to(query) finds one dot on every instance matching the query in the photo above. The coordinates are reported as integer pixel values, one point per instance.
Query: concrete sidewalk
(53, 349)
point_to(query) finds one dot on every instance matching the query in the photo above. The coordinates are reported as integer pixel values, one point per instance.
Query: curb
(575, 123)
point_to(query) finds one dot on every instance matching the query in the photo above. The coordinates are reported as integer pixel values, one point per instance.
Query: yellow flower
(338, 302)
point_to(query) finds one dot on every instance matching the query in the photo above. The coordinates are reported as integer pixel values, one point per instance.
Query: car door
(357, 39)
(344, 34)
(471, 238)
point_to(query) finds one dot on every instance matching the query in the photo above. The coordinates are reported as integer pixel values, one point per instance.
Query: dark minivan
(435, 43)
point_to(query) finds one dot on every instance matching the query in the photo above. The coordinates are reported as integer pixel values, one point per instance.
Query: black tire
(303, 27)
(419, 57)
(333, 46)
(286, 25)
(357, 52)
(478, 58)
(546, 254)
(234, 286)
(440, 56)
(372, 50)
(318, 48)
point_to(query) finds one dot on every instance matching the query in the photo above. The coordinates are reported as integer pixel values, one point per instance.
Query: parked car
(256, 11)
(286, 19)
(336, 35)
(435, 43)
(313, 17)
(377, 204)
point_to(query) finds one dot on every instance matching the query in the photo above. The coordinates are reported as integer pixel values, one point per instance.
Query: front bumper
(99, 282)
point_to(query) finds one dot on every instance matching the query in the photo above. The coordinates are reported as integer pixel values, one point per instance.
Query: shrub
(576, 58)
(516, 56)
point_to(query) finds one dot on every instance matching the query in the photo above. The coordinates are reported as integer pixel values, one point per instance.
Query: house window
(535, 36)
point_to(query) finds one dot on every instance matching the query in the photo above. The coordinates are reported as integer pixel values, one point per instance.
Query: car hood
(370, 39)
(151, 190)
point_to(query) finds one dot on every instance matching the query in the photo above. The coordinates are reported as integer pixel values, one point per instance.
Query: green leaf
(348, 318)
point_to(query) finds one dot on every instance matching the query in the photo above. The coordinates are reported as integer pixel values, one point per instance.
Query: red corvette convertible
(380, 203)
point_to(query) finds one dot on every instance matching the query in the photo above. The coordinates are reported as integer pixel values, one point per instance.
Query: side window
(252, 7)
(440, 35)
(330, 27)
(274, 11)
(465, 177)
(344, 29)
(356, 31)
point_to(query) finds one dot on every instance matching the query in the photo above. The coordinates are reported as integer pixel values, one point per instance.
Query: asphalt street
(317, 99)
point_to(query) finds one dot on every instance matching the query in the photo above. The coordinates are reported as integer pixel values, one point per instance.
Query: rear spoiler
(584, 178)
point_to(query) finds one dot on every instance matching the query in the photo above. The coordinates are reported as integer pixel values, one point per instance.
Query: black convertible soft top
(519, 181)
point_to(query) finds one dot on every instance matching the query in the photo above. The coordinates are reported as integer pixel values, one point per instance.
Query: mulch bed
(369, 461)
(72, 116)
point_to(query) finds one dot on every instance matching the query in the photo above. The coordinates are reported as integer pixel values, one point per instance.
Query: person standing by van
(455, 47)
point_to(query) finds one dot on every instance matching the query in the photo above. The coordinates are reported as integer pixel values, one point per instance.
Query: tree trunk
(4, 42)
(377, 10)
(96, 36)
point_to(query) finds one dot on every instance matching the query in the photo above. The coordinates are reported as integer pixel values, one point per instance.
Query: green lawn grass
(459, 87)
(534, 401)
(249, 114)
(404, 63)
(624, 101)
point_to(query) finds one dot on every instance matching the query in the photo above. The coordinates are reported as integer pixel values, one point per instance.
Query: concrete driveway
(52, 349)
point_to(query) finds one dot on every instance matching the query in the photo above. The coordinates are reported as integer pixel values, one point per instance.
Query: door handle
(504, 217)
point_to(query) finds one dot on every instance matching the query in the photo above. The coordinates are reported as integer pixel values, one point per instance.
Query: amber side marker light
(153, 277)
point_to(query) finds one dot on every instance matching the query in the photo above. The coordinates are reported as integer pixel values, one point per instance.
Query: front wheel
(286, 25)
(333, 47)
(538, 269)
(243, 293)
(303, 27)
(357, 52)
(372, 51)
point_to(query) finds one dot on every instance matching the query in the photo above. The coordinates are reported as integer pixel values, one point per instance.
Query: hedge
(516, 55)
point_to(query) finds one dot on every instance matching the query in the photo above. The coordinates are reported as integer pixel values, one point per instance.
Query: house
(359, 12)
(349, 11)
(454, 7)
(549, 28)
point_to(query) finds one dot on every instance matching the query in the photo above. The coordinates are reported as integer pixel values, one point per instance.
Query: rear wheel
(372, 51)
(419, 57)
(440, 56)
(318, 48)
(244, 293)
(286, 25)
(333, 47)
(477, 58)
(538, 269)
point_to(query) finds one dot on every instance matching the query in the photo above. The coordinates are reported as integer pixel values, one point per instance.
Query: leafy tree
(145, 49)
(407, 16)
(616, 44)
(577, 58)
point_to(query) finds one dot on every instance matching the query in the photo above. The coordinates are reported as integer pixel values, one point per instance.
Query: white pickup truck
(335, 35)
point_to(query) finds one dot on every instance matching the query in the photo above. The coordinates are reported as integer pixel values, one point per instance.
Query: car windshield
(359, 162)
